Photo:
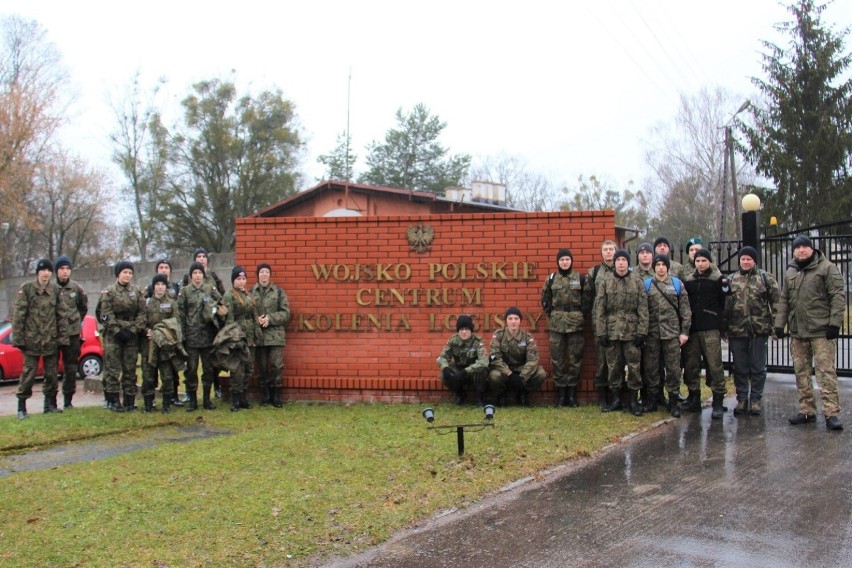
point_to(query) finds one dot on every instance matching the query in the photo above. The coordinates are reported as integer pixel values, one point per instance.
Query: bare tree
(525, 189)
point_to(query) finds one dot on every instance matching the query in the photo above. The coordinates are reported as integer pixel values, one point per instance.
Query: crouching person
(463, 362)
(514, 361)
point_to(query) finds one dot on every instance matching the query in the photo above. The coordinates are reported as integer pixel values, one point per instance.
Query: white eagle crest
(420, 237)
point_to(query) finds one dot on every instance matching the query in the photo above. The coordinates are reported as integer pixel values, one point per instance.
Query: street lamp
(429, 416)
(751, 222)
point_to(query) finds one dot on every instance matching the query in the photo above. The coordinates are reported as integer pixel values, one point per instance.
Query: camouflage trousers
(477, 381)
(70, 355)
(238, 380)
(269, 362)
(566, 356)
(661, 357)
(25, 383)
(120, 366)
(498, 383)
(619, 354)
(822, 352)
(749, 366)
(208, 370)
(709, 344)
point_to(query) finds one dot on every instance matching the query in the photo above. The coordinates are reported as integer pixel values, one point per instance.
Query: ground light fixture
(488, 411)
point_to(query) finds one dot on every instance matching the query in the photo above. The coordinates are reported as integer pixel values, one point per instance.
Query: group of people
(176, 327)
(657, 324)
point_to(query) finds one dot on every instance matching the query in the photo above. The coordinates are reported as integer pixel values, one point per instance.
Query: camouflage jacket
(597, 275)
(121, 307)
(621, 308)
(210, 278)
(566, 299)
(752, 303)
(706, 300)
(642, 274)
(812, 298)
(514, 353)
(469, 355)
(40, 319)
(77, 303)
(159, 309)
(230, 350)
(197, 307)
(681, 270)
(669, 315)
(272, 302)
(167, 342)
(242, 309)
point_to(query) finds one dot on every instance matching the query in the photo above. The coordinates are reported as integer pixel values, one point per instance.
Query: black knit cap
(61, 261)
(705, 253)
(621, 252)
(664, 258)
(196, 266)
(802, 240)
(236, 272)
(200, 250)
(464, 322)
(159, 278)
(748, 251)
(165, 261)
(44, 264)
(646, 247)
(659, 240)
(564, 252)
(513, 311)
(122, 265)
(263, 265)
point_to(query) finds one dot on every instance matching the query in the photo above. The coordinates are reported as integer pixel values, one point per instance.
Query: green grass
(282, 486)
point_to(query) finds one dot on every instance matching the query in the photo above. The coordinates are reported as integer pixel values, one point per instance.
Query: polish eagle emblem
(420, 237)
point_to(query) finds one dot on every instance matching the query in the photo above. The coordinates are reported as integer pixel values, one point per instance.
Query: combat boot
(167, 404)
(243, 402)
(635, 404)
(562, 399)
(480, 399)
(264, 396)
(192, 401)
(651, 400)
(524, 398)
(114, 403)
(741, 407)
(205, 391)
(50, 404)
(833, 423)
(661, 397)
(107, 400)
(615, 404)
(602, 392)
(67, 402)
(674, 407)
(22, 408)
(130, 402)
(502, 400)
(149, 403)
(458, 398)
(718, 409)
(693, 402)
(235, 401)
(275, 397)
(571, 393)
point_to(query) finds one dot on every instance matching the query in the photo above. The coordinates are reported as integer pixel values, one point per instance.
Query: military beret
(694, 241)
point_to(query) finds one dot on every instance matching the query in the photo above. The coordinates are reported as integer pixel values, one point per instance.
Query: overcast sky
(573, 87)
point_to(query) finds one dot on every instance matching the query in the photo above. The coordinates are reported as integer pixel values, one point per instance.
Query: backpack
(675, 281)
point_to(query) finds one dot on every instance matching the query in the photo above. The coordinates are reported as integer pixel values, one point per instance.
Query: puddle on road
(104, 447)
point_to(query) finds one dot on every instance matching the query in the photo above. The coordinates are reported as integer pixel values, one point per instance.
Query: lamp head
(429, 414)
(489, 412)
(751, 202)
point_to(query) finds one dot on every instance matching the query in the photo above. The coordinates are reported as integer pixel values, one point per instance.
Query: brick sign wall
(370, 315)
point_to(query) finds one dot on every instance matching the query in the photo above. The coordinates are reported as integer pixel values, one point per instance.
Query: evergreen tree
(339, 163)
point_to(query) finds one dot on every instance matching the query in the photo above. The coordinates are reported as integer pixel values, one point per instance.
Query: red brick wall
(381, 360)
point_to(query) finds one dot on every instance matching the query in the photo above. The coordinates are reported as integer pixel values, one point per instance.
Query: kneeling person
(464, 362)
(514, 361)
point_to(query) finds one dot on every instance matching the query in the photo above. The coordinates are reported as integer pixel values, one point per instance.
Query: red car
(91, 361)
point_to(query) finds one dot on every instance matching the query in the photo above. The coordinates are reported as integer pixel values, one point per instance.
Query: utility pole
(348, 101)
(724, 185)
(734, 193)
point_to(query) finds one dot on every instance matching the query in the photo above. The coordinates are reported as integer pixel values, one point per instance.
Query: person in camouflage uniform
(812, 306)
(669, 319)
(514, 361)
(644, 261)
(159, 306)
(39, 327)
(242, 309)
(463, 362)
(199, 306)
(121, 309)
(754, 298)
(663, 246)
(566, 299)
(273, 308)
(621, 310)
(77, 306)
(595, 277)
(707, 289)
(164, 267)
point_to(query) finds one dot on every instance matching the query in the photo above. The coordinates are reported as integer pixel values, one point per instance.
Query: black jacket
(707, 300)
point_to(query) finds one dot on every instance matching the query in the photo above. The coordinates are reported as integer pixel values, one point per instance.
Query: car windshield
(3, 327)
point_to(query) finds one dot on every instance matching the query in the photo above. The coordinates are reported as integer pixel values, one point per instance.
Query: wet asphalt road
(746, 491)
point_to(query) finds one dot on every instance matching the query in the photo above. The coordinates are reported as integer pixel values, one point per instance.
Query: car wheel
(90, 366)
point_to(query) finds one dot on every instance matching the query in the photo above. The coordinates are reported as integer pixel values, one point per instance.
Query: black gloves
(604, 341)
(779, 333)
(640, 341)
(832, 332)
(515, 381)
(125, 336)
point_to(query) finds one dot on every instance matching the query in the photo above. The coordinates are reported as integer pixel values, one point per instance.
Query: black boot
(243, 402)
(661, 397)
(562, 394)
(107, 400)
(718, 409)
(602, 392)
(167, 403)
(192, 401)
(130, 403)
(524, 398)
(571, 395)
(616, 402)
(22, 408)
(235, 401)
(149, 403)
(635, 404)
(115, 403)
(205, 391)
(50, 404)
(67, 402)
(693, 402)
(264, 396)
(275, 397)
(651, 400)
(502, 400)
(674, 407)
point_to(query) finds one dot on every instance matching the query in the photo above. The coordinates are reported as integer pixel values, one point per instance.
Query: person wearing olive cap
(77, 303)
(273, 310)
(464, 362)
(566, 299)
(748, 310)
(707, 289)
(693, 245)
(39, 326)
(621, 309)
(812, 307)
(121, 311)
(514, 362)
